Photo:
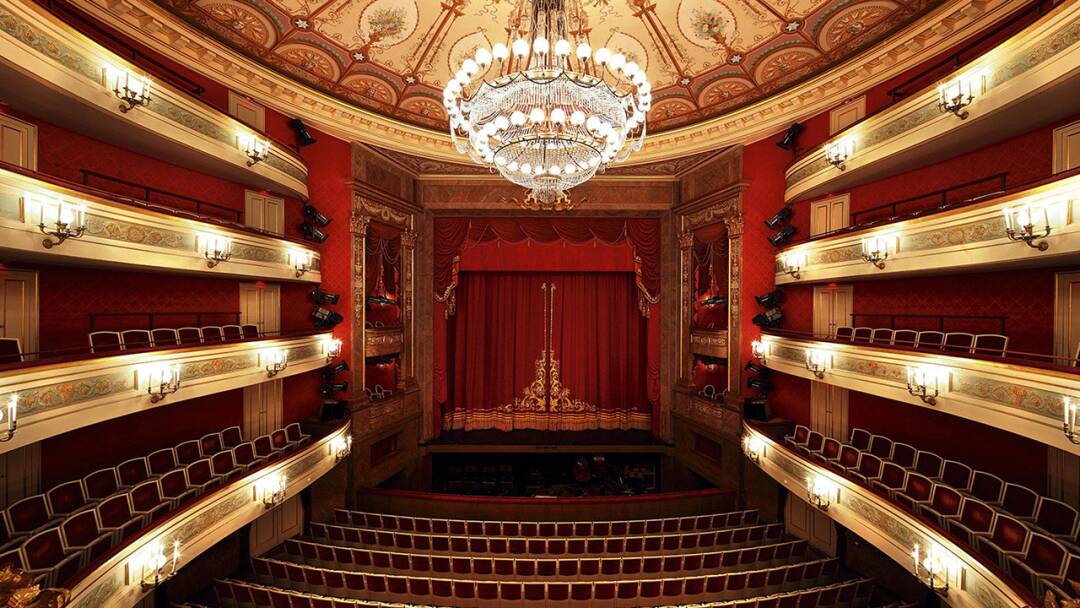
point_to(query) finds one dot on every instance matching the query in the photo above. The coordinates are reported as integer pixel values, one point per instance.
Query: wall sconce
(793, 262)
(274, 360)
(759, 350)
(215, 248)
(932, 567)
(160, 380)
(954, 96)
(332, 348)
(754, 448)
(57, 219)
(153, 566)
(839, 152)
(815, 361)
(1068, 426)
(821, 492)
(300, 261)
(270, 490)
(255, 148)
(1020, 225)
(8, 416)
(341, 447)
(926, 382)
(129, 87)
(875, 249)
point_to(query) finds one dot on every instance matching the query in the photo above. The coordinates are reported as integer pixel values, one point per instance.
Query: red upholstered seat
(133, 471)
(882, 336)
(80, 533)
(10, 351)
(848, 457)
(956, 475)
(231, 437)
(189, 335)
(929, 340)
(916, 491)
(244, 456)
(903, 455)
(66, 498)
(280, 440)
(210, 444)
(136, 338)
(161, 461)
(188, 452)
(174, 488)
(844, 333)
(905, 337)
(212, 333)
(869, 468)
(1008, 536)
(510, 592)
(223, 466)
(1019, 500)
(558, 592)
(987, 487)
(164, 337)
(893, 478)
(29, 514)
(298, 437)
(581, 592)
(249, 331)
(862, 334)
(976, 519)
(1058, 519)
(860, 439)
(929, 464)
(958, 342)
(200, 476)
(146, 500)
(419, 587)
(944, 503)
(101, 484)
(105, 342)
(232, 332)
(264, 448)
(814, 441)
(44, 553)
(114, 515)
(830, 450)
(993, 345)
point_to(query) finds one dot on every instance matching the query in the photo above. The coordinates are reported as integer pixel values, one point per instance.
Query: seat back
(161, 461)
(232, 437)
(931, 340)
(199, 472)
(263, 447)
(958, 342)
(293, 432)
(849, 457)
(918, 487)
(101, 484)
(860, 439)
(881, 446)
(136, 338)
(66, 498)
(145, 496)
(1010, 534)
(1019, 500)
(173, 483)
(232, 332)
(844, 333)
(189, 335)
(929, 464)
(44, 550)
(222, 463)
(164, 336)
(993, 345)
(188, 452)
(1057, 518)
(10, 350)
(1045, 556)
(80, 529)
(279, 439)
(956, 475)
(869, 465)
(862, 334)
(987, 487)
(945, 500)
(133, 471)
(881, 335)
(210, 444)
(212, 333)
(250, 331)
(977, 516)
(830, 448)
(244, 454)
(904, 455)
(105, 342)
(905, 337)
(893, 476)
(28, 514)
(114, 512)
(814, 441)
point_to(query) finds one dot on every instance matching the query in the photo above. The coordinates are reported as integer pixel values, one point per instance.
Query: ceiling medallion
(547, 113)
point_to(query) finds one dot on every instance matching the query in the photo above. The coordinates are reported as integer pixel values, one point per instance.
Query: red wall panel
(109, 443)
(301, 398)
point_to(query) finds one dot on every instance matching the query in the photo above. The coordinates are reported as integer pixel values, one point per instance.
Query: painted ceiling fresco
(704, 57)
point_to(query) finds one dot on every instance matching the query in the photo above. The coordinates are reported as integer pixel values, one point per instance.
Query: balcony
(1024, 398)
(117, 581)
(383, 341)
(58, 74)
(57, 397)
(133, 234)
(1027, 81)
(895, 532)
(962, 238)
(709, 342)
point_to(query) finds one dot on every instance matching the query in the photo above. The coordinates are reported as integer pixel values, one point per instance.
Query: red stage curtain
(382, 253)
(599, 341)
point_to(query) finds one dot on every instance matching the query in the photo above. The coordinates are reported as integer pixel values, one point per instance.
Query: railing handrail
(150, 316)
(942, 193)
(893, 316)
(1071, 364)
(149, 190)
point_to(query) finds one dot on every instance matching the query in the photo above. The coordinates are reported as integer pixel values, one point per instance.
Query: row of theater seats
(641, 591)
(569, 568)
(954, 342)
(240, 594)
(1036, 539)
(112, 341)
(55, 534)
(465, 527)
(478, 546)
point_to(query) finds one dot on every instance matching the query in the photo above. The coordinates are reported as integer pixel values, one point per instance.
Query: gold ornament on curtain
(539, 396)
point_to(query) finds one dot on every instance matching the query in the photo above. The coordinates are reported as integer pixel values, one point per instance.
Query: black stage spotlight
(330, 371)
(770, 318)
(757, 408)
(771, 299)
(791, 138)
(332, 409)
(323, 297)
(778, 218)
(330, 388)
(316, 216)
(312, 233)
(325, 317)
(777, 239)
(303, 138)
(760, 370)
(760, 384)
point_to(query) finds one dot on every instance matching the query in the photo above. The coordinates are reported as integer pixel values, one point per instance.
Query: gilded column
(686, 305)
(358, 225)
(408, 312)
(734, 226)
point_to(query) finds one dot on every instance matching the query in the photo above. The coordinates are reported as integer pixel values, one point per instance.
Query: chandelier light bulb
(562, 47)
(469, 67)
(631, 70)
(512, 166)
(602, 56)
(520, 47)
(593, 123)
(558, 116)
(577, 118)
(584, 51)
(540, 45)
(526, 168)
(517, 118)
(483, 57)
(537, 115)
(500, 52)
(618, 60)
(501, 123)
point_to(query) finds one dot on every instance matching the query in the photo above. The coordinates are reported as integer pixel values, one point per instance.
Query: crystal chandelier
(547, 113)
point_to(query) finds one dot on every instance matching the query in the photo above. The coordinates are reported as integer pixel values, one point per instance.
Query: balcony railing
(1027, 398)
(117, 581)
(1021, 84)
(971, 582)
(130, 233)
(964, 237)
(57, 73)
(54, 397)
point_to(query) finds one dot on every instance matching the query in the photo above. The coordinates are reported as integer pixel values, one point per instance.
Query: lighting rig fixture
(131, 89)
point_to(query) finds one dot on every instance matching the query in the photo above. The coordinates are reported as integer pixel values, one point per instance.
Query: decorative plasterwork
(963, 238)
(57, 398)
(394, 58)
(710, 343)
(1028, 401)
(1027, 80)
(382, 341)
(65, 63)
(205, 523)
(948, 25)
(131, 236)
(890, 529)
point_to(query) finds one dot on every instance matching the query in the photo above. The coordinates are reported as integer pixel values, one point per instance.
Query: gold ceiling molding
(950, 24)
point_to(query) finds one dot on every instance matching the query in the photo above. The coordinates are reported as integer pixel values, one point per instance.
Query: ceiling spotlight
(332, 409)
(303, 138)
(757, 368)
(781, 237)
(332, 370)
(322, 297)
(312, 233)
(762, 384)
(316, 216)
(324, 317)
(771, 299)
(791, 138)
(772, 318)
(328, 389)
(778, 218)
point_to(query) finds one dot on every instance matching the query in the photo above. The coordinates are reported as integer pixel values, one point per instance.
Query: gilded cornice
(942, 28)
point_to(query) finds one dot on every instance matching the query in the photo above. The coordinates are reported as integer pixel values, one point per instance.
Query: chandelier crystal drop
(547, 112)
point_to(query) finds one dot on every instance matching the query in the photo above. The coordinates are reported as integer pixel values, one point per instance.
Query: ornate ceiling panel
(704, 57)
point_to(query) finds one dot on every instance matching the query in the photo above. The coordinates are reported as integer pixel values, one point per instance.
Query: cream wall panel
(18, 142)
